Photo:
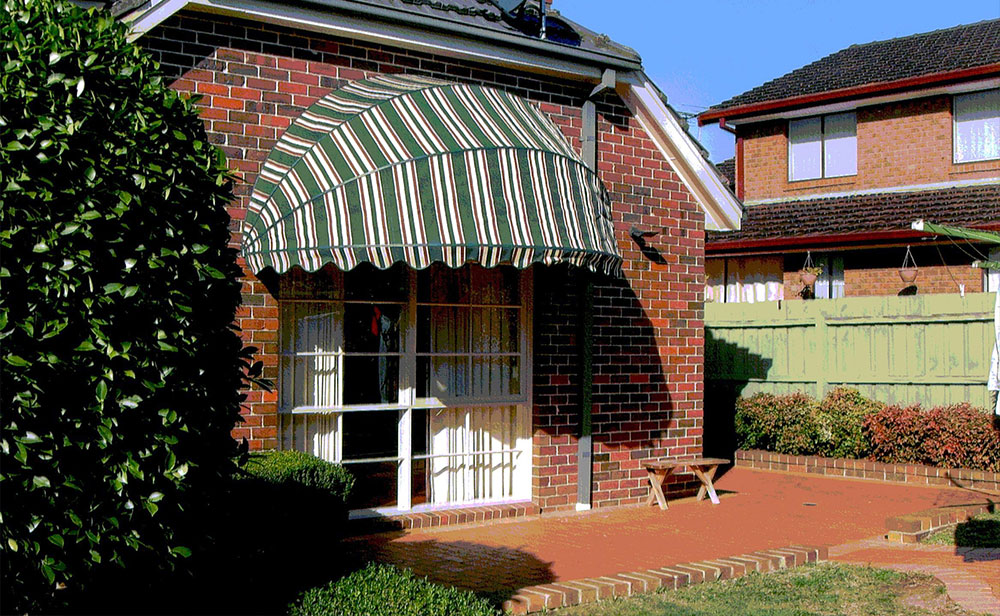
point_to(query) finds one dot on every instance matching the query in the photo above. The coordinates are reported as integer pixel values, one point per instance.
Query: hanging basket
(809, 272)
(908, 271)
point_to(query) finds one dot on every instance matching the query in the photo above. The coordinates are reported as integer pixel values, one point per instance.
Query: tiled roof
(966, 206)
(956, 48)
(727, 171)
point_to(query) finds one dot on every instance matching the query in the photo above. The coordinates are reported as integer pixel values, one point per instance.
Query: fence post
(822, 346)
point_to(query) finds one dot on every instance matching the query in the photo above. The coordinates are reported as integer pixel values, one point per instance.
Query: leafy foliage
(848, 425)
(842, 412)
(785, 424)
(121, 371)
(295, 468)
(958, 435)
(383, 590)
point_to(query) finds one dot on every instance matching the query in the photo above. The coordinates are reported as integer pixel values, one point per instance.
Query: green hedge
(383, 590)
(845, 424)
(295, 468)
(121, 369)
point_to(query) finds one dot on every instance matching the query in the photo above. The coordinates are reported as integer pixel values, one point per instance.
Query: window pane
(496, 377)
(308, 335)
(977, 126)
(440, 284)
(375, 483)
(371, 380)
(840, 150)
(366, 282)
(494, 330)
(805, 149)
(499, 285)
(442, 329)
(837, 277)
(443, 377)
(371, 328)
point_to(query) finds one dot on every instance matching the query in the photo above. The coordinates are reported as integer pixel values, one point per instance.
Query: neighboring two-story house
(435, 211)
(836, 159)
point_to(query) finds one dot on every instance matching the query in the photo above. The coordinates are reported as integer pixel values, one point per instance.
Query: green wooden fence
(931, 349)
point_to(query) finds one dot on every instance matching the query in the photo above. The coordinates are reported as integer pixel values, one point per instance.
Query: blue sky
(703, 52)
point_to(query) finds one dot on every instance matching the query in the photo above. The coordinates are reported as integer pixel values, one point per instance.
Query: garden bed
(918, 474)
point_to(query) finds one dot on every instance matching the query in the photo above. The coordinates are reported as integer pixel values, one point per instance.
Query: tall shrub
(785, 424)
(958, 435)
(120, 368)
(842, 413)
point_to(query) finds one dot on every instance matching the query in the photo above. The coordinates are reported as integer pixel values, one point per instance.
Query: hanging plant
(809, 272)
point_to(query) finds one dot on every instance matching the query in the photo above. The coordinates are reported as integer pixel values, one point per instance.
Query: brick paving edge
(566, 593)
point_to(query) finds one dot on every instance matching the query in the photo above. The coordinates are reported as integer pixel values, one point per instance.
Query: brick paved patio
(760, 510)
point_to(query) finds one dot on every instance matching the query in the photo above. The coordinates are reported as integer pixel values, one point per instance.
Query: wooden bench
(703, 468)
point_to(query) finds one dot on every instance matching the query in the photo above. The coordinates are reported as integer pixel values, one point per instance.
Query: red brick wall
(648, 351)
(899, 144)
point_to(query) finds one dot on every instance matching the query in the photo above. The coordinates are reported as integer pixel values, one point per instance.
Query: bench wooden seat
(703, 468)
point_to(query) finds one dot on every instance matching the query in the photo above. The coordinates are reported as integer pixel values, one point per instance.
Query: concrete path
(971, 575)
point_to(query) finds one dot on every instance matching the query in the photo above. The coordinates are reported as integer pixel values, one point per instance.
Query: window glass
(440, 284)
(368, 283)
(805, 149)
(977, 126)
(840, 145)
(371, 328)
(309, 340)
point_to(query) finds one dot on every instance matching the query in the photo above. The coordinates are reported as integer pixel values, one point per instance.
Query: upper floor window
(977, 126)
(823, 147)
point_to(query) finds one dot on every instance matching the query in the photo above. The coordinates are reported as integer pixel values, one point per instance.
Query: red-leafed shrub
(959, 435)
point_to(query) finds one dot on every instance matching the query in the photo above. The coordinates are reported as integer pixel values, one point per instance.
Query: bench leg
(656, 479)
(706, 482)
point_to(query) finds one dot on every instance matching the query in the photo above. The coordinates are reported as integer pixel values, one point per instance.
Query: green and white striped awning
(403, 168)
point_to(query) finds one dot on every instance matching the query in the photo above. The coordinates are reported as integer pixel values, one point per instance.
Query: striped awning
(403, 168)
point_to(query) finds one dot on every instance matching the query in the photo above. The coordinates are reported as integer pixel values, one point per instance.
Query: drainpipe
(589, 132)
(585, 445)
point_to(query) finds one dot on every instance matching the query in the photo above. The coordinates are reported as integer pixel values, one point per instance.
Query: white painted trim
(955, 88)
(397, 34)
(583, 506)
(878, 191)
(158, 11)
(723, 210)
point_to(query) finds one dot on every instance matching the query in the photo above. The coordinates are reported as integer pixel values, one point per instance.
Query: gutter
(374, 22)
(712, 247)
(830, 96)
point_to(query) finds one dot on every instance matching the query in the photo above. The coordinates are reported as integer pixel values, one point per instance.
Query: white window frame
(407, 402)
(824, 139)
(956, 121)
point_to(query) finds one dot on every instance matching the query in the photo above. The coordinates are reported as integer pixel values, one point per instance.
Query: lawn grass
(824, 589)
(982, 531)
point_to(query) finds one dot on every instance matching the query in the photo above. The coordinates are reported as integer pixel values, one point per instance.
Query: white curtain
(745, 279)
(477, 477)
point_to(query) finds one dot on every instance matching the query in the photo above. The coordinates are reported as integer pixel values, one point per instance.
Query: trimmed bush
(121, 370)
(959, 435)
(383, 590)
(785, 424)
(842, 413)
(302, 469)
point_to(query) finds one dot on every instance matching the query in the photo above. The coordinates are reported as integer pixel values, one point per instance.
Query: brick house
(839, 157)
(473, 252)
